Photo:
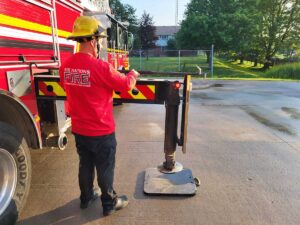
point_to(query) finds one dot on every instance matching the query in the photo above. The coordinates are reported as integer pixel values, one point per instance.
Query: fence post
(179, 66)
(140, 59)
(212, 61)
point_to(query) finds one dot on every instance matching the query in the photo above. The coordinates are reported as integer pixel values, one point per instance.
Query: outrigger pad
(179, 183)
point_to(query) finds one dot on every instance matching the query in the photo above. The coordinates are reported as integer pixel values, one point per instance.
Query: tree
(252, 29)
(124, 13)
(207, 22)
(244, 31)
(172, 47)
(279, 20)
(146, 32)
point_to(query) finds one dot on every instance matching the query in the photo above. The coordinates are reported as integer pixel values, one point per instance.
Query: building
(164, 34)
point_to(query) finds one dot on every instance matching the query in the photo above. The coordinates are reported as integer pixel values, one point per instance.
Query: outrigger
(169, 178)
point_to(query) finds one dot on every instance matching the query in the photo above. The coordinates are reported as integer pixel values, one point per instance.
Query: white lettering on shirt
(77, 77)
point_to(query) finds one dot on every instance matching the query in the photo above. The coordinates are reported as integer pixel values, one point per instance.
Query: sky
(162, 11)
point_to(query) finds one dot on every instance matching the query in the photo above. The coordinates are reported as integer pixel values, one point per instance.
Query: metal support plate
(185, 111)
(180, 183)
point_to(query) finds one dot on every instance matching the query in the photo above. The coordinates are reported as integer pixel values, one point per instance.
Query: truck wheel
(15, 173)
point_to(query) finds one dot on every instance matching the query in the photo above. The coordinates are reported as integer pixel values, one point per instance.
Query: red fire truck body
(33, 44)
(34, 32)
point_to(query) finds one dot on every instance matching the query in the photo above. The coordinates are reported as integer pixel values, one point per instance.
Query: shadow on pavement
(68, 214)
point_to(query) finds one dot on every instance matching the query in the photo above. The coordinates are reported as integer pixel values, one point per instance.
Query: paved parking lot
(243, 144)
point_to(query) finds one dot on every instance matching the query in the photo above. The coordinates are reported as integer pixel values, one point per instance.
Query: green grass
(168, 64)
(222, 69)
(286, 71)
(226, 69)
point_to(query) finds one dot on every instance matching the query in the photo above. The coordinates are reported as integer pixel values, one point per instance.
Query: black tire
(14, 144)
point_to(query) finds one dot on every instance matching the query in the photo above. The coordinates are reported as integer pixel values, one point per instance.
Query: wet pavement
(243, 144)
(273, 104)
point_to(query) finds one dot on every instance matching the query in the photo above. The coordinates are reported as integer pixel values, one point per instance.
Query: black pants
(97, 152)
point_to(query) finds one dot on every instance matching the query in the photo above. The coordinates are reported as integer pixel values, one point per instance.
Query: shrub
(286, 71)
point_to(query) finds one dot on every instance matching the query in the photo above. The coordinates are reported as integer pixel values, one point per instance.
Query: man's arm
(118, 81)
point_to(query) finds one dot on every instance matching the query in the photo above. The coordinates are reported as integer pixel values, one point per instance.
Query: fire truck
(32, 46)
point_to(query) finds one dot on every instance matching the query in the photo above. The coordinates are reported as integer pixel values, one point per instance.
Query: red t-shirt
(89, 84)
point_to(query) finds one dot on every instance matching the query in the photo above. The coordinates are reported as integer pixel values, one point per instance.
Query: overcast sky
(162, 11)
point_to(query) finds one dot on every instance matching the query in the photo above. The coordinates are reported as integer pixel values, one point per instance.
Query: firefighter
(89, 83)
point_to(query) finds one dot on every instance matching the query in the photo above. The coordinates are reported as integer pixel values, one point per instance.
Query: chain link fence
(173, 60)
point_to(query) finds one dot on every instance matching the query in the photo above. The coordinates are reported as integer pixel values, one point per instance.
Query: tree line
(254, 30)
(142, 28)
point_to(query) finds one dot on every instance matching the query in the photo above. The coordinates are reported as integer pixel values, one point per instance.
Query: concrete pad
(248, 173)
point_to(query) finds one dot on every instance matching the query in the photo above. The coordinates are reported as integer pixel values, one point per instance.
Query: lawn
(222, 69)
(169, 64)
(229, 69)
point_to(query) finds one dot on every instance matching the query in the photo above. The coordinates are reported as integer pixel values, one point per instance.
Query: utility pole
(176, 13)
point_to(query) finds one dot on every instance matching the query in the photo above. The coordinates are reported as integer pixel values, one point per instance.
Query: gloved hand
(135, 73)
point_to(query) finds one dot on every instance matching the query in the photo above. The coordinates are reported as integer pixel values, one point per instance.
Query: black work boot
(120, 203)
(96, 194)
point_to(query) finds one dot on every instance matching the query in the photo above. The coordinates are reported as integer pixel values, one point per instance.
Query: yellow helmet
(86, 27)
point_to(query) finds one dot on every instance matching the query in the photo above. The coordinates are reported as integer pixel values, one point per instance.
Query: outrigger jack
(171, 178)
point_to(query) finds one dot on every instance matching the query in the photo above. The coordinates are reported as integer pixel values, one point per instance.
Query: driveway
(243, 144)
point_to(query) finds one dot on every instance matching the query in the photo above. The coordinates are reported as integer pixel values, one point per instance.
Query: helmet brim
(74, 37)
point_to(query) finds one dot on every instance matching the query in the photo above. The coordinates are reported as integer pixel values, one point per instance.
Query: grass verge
(222, 69)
